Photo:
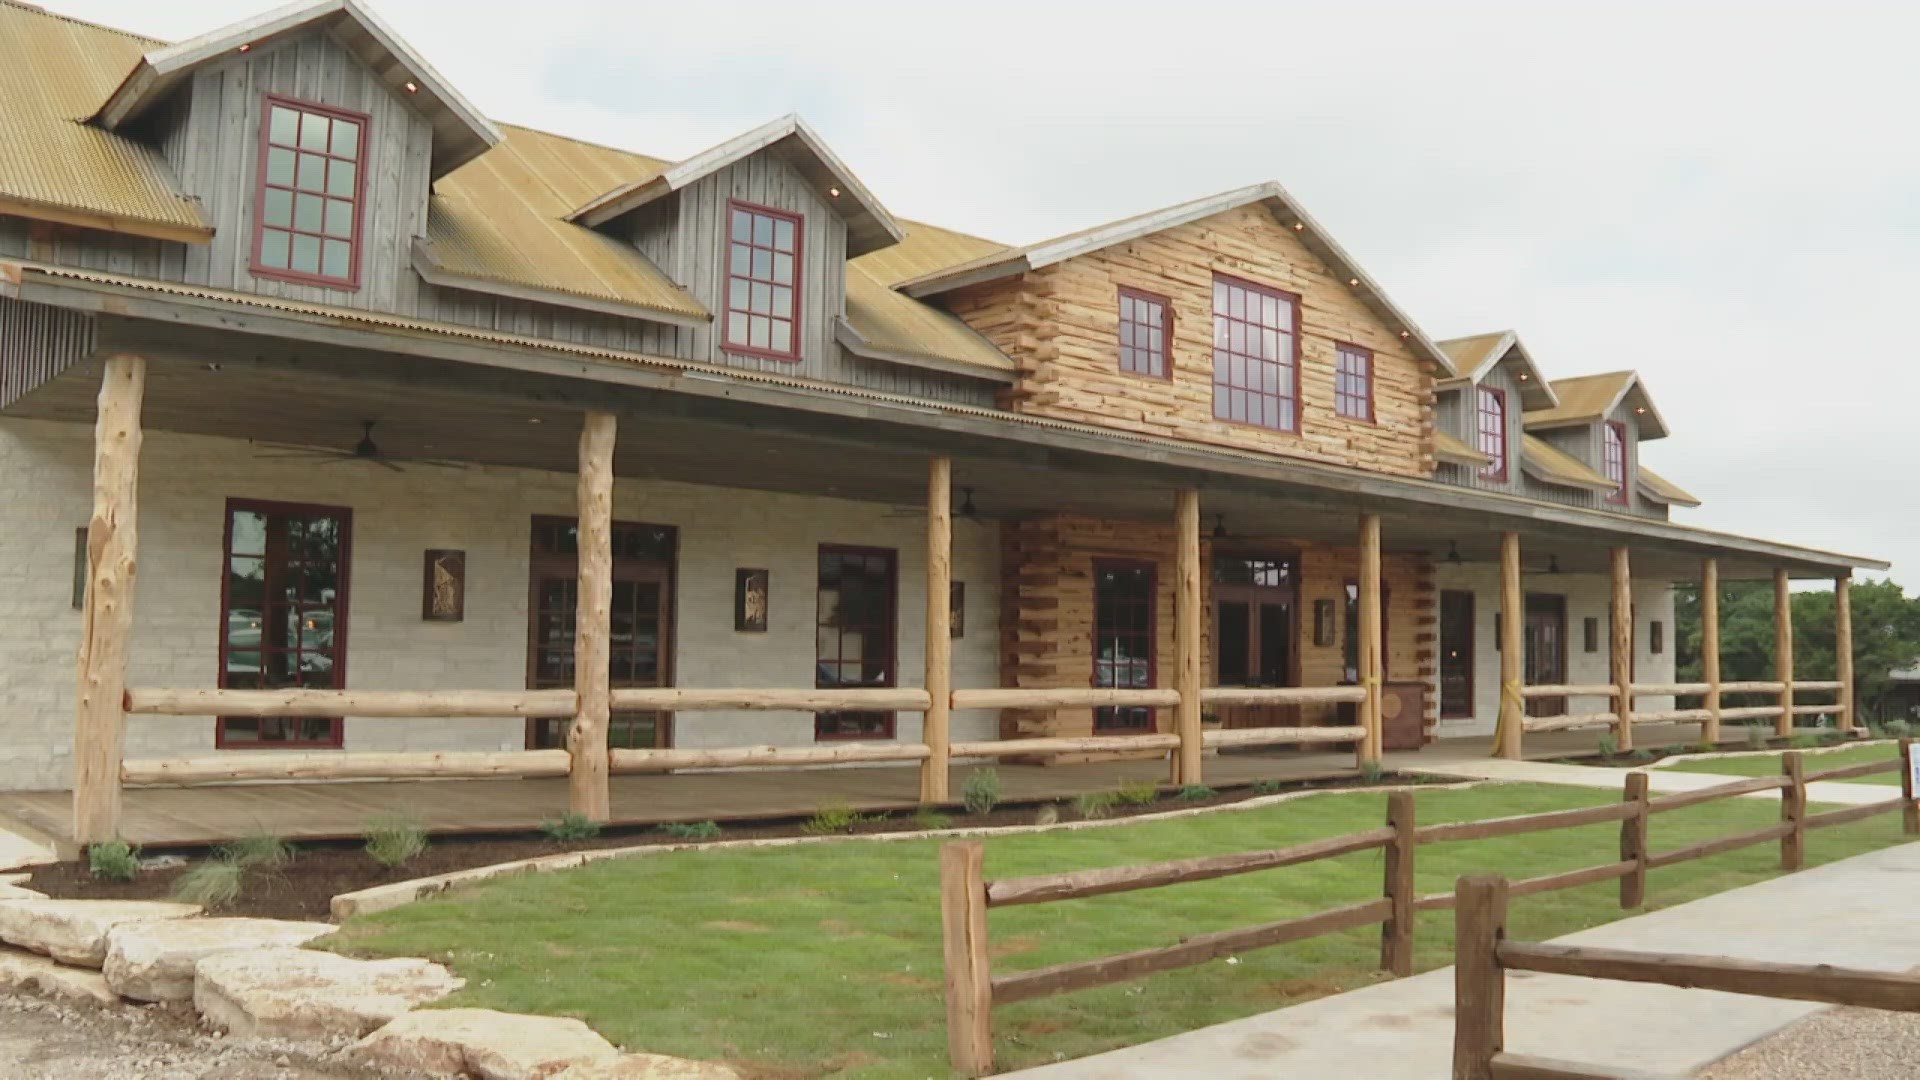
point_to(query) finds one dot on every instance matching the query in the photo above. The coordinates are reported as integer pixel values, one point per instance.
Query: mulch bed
(303, 888)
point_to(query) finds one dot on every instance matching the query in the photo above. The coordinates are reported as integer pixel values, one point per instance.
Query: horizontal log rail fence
(966, 895)
(1484, 955)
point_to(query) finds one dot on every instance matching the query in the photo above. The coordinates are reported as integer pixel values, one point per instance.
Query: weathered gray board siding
(13, 237)
(1458, 414)
(38, 342)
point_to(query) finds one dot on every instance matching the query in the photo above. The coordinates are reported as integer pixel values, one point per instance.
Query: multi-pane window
(283, 618)
(1123, 632)
(1350, 638)
(1255, 362)
(1353, 382)
(307, 217)
(1146, 328)
(854, 633)
(1615, 457)
(763, 281)
(1491, 427)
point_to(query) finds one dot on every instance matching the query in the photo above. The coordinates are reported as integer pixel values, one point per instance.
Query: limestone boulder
(75, 931)
(154, 959)
(301, 994)
(484, 1044)
(37, 974)
(648, 1067)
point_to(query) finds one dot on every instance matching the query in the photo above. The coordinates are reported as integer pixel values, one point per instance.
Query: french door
(1456, 654)
(1546, 638)
(283, 615)
(640, 649)
(1256, 632)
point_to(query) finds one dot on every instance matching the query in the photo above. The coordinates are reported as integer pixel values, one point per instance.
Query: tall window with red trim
(1491, 426)
(1123, 634)
(311, 186)
(283, 615)
(1146, 328)
(1353, 382)
(1614, 454)
(1256, 360)
(854, 635)
(763, 281)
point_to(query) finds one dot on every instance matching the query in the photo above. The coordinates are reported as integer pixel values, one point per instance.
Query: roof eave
(433, 273)
(115, 223)
(850, 339)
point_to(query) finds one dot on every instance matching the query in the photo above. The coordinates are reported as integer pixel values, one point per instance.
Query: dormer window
(1614, 455)
(311, 184)
(1491, 430)
(763, 281)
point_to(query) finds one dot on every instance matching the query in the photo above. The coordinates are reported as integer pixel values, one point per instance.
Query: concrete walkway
(1660, 781)
(1854, 913)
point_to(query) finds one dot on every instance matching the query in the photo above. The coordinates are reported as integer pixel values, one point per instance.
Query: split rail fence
(966, 895)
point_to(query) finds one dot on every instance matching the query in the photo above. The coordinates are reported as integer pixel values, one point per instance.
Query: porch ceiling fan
(365, 450)
(964, 510)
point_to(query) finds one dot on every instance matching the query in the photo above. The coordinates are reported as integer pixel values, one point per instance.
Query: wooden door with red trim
(1256, 633)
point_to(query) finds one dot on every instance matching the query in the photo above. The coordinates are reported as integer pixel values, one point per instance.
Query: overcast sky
(1723, 196)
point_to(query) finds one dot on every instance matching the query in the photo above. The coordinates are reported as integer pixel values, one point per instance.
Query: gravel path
(49, 1040)
(1839, 1044)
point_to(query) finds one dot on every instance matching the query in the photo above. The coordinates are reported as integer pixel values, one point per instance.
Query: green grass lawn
(1769, 764)
(824, 960)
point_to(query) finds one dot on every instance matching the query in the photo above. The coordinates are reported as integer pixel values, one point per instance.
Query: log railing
(1483, 955)
(1706, 714)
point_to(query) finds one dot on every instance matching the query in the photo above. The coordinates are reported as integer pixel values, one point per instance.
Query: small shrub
(213, 884)
(981, 792)
(691, 830)
(1640, 753)
(570, 826)
(1805, 740)
(1094, 805)
(113, 860)
(1609, 746)
(1831, 736)
(1048, 814)
(395, 841)
(1897, 729)
(832, 818)
(260, 849)
(1757, 737)
(1138, 793)
(1195, 793)
(1372, 771)
(1702, 747)
(927, 819)
(1268, 787)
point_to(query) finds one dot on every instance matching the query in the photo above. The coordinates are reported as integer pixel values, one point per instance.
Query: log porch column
(1622, 620)
(1843, 646)
(587, 792)
(99, 723)
(1710, 645)
(1783, 649)
(1369, 751)
(1186, 636)
(1513, 713)
(939, 670)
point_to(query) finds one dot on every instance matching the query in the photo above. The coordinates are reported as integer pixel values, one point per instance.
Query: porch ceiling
(251, 386)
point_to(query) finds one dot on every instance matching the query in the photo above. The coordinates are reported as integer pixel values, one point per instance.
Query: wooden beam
(1081, 744)
(1843, 646)
(1370, 667)
(99, 727)
(1897, 991)
(969, 982)
(749, 699)
(1186, 635)
(1479, 983)
(409, 765)
(734, 757)
(939, 646)
(1710, 646)
(1063, 697)
(1783, 649)
(1078, 884)
(1273, 735)
(398, 704)
(1281, 695)
(587, 792)
(1513, 615)
(1622, 628)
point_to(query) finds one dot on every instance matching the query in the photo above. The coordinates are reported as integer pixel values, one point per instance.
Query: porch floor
(201, 816)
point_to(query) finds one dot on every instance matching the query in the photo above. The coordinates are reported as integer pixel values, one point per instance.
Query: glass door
(283, 615)
(1546, 638)
(1255, 627)
(1456, 654)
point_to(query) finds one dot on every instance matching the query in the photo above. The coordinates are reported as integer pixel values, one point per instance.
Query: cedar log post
(587, 739)
(1633, 841)
(1479, 985)
(936, 730)
(1783, 650)
(99, 723)
(1186, 636)
(1909, 810)
(1622, 628)
(1513, 714)
(1710, 646)
(1843, 646)
(1370, 637)
(969, 981)
(1793, 811)
(1396, 933)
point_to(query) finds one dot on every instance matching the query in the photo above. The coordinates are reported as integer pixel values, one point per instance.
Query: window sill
(763, 354)
(294, 277)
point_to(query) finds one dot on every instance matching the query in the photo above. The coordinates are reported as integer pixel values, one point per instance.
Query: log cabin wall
(1060, 325)
(1047, 613)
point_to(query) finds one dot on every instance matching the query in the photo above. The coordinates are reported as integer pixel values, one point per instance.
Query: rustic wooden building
(441, 447)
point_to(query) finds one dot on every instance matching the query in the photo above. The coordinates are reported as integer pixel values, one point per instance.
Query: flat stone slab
(19, 892)
(301, 994)
(153, 960)
(44, 975)
(75, 931)
(485, 1044)
(648, 1067)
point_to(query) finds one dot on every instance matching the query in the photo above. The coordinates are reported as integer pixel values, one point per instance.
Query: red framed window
(1353, 382)
(1614, 454)
(1491, 428)
(854, 631)
(283, 615)
(312, 183)
(1256, 355)
(1146, 333)
(763, 281)
(1123, 636)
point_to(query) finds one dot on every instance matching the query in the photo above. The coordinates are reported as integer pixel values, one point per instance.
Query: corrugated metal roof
(1582, 398)
(1470, 354)
(53, 72)
(1661, 489)
(896, 322)
(1542, 460)
(1448, 448)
